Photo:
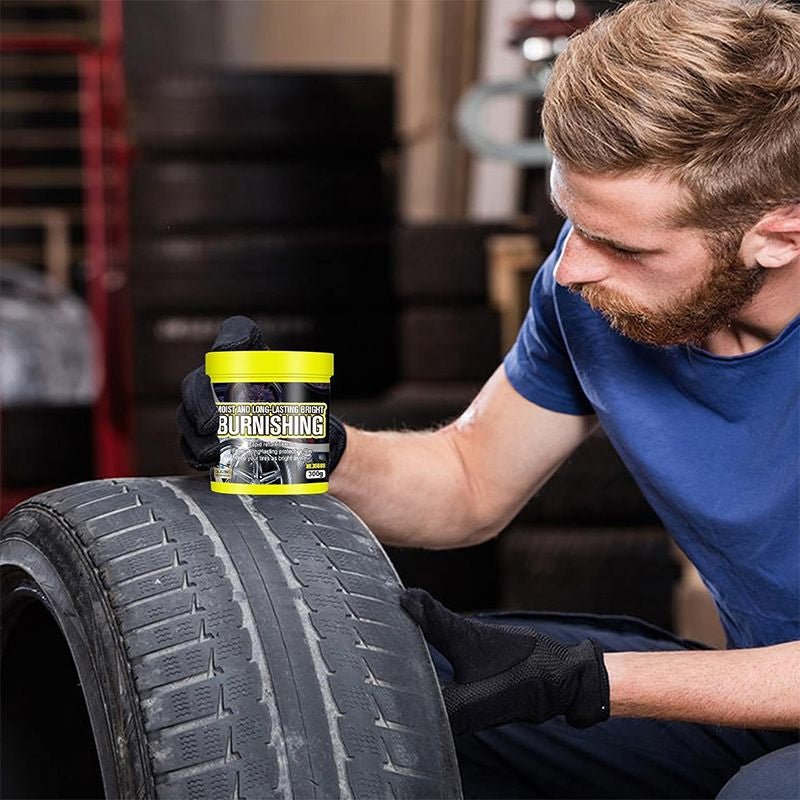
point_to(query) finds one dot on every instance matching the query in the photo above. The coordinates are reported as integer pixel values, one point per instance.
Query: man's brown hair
(706, 92)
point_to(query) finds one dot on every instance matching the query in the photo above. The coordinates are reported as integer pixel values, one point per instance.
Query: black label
(272, 433)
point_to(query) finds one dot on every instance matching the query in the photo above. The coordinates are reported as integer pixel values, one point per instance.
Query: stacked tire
(448, 331)
(588, 541)
(265, 194)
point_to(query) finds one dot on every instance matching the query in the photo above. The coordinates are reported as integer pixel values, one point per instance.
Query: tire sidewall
(58, 574)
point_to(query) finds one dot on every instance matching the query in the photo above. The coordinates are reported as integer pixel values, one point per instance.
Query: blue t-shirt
(712, 441)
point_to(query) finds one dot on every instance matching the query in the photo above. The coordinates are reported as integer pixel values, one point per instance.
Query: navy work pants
(622, 757)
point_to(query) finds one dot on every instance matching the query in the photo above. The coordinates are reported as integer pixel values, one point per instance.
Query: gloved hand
(198, 419)
(505, 673)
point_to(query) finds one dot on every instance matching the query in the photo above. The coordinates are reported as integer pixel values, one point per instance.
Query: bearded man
(668, 313)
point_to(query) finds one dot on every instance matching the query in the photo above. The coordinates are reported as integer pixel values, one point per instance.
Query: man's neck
(763, 318)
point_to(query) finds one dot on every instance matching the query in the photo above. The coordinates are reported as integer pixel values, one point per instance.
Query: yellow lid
(269, 364)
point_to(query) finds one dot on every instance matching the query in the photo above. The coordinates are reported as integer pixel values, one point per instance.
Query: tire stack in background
(589, 542)
(448, 331)
(449, 342)
(265, 194)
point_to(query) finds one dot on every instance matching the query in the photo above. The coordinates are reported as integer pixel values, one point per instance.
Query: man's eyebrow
(593, 237)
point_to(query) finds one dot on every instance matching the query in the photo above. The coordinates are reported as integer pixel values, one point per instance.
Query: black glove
(198, 419)
(506, 673)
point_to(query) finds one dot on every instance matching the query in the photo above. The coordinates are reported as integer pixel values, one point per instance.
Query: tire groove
(111, 534)
(374, 680)
(399, 769)
(284, 644)
(326, 546)
(197, 769)
(148, 625)
(351, 593)
(359, 618)
(90, 520)
(180, 683)
(125, 490)
(312, 638)
(131, 553)
(127, 606)
(267, 692)
(177, 728)
(141, 576)
(175, 648)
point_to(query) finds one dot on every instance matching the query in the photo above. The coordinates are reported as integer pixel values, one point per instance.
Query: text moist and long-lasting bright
(272, 420)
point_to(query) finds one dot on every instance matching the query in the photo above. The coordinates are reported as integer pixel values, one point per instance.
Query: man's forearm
(753, 688)
(409, 487)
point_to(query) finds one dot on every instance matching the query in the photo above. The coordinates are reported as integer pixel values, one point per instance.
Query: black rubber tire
(51, 157)
(36, 82)
(265, 113)
(45, 445)
(590, 570)
(226, 646)
(290, 271)
(444, 262)
(409, 405)
(449, 344)
(185, 197)
(157, 440)
(19, 195)
(44, 118)
(593, 487)
(168, 347)
(477, 568)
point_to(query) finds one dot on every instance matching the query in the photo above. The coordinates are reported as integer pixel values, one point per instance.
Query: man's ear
(774, 241)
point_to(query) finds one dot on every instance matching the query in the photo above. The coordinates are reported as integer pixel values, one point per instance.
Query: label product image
(273, 425)
(280, 442)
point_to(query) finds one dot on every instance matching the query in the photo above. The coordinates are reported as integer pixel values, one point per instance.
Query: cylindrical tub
(273, 421)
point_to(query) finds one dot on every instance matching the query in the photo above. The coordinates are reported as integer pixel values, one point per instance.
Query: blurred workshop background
(359, 176)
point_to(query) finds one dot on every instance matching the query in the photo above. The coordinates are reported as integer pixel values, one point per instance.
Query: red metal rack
(105, 177)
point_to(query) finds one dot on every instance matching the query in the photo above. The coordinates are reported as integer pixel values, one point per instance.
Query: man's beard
(689, 318)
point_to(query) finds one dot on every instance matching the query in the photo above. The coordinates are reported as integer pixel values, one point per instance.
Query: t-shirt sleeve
(538, 364)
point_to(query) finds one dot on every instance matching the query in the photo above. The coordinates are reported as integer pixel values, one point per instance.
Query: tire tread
(194, 580)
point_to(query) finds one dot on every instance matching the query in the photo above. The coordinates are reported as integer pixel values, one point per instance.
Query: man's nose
(579, 263)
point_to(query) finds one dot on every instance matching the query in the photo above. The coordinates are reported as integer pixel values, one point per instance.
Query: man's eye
(625, 255)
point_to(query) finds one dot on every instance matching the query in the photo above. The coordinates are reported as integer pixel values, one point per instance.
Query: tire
(477, 568)
(593, 487)
(36, 82)
(157, 440)
(184, 197)
(444, 262)
(168, 347)
(407, 405)
(18, 157)
(218, 273)
(21, 195)
(45, 445)
(449, 344)
(44, 118)
(265, 113)
(590, 570)
(226, 646)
